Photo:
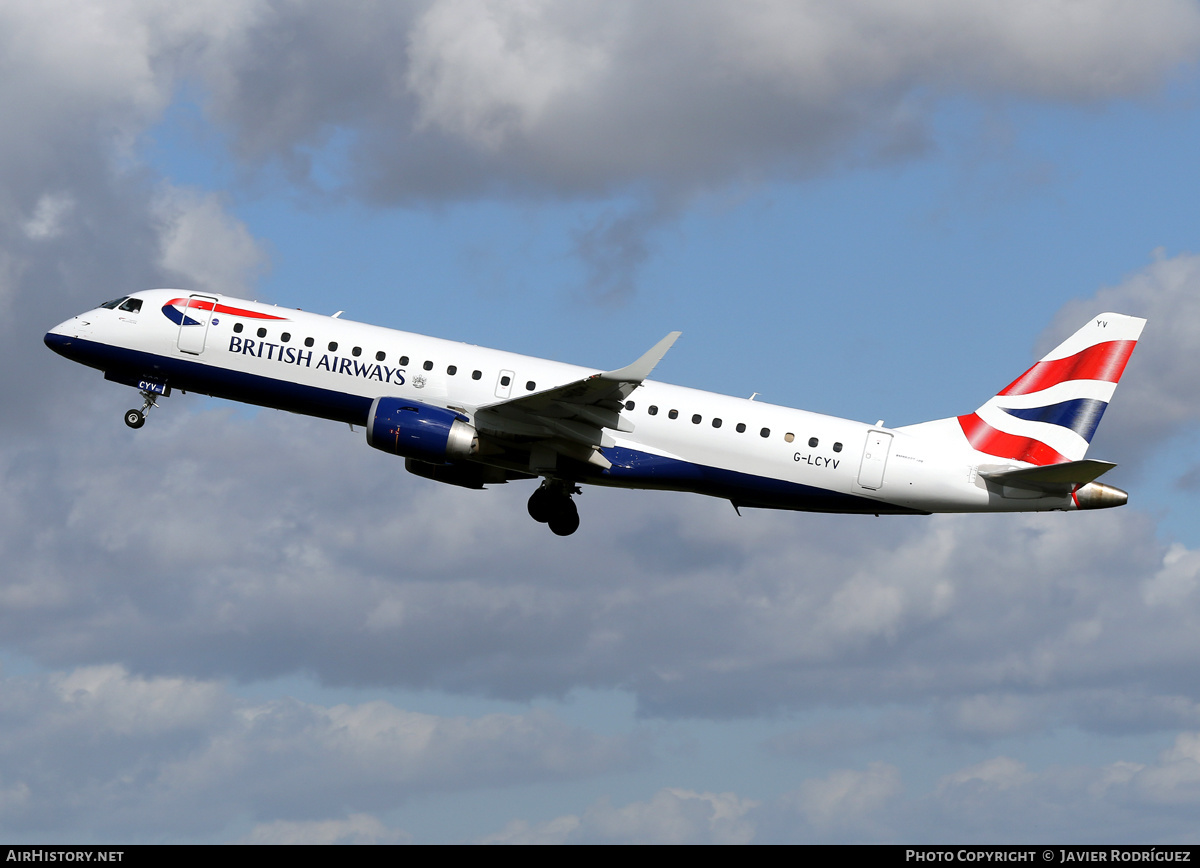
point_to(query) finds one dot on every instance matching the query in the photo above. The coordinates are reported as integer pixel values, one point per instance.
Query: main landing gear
(137, 418)
(551, 504)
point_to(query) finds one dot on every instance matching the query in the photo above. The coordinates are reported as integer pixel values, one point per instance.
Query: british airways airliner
(471, 416)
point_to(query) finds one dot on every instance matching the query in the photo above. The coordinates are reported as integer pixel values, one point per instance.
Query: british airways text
(304, 358)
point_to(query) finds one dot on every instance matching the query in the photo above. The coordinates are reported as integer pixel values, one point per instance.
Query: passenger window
(530, 386)
(789, 437)
(356, 352)
(452, 370)
(285, 337)
(404, 361)
(380, 356)
(428, 365)
(837, 447)
(674, 414)
(308, 342)
(475, 375)
(716, 423)
(652, 410)
(696, 419)
(741, 427)
(505, 380)
(813, 441)
(262, 333)
(629, 405)
(766, 432)
(237, 328)
(133, 305)
(333, 346)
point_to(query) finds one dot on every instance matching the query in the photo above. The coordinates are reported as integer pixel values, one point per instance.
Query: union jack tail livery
(1049, 414)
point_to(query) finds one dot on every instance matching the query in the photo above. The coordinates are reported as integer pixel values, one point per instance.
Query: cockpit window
(111, 305)
(133, 305)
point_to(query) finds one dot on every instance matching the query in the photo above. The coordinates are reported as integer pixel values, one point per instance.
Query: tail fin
(1049, 414)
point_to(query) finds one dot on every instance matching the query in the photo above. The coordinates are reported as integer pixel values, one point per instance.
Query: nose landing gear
(137, 418)
(551, 505)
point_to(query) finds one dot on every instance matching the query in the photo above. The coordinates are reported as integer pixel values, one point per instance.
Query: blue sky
(238, 624)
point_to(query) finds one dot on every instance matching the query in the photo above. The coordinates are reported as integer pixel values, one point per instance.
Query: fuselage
(750, 452)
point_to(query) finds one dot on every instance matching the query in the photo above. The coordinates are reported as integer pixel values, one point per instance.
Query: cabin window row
(332, 346)
(717, 422)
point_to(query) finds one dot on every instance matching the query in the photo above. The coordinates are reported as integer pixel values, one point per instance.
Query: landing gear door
(874, 460)
(193, 329)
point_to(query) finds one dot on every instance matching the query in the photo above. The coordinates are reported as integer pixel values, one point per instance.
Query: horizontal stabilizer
(1052, 477)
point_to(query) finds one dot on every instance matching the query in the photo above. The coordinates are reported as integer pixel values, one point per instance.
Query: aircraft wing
(573, 419)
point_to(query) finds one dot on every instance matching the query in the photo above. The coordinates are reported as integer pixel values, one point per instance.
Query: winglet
(641, 369)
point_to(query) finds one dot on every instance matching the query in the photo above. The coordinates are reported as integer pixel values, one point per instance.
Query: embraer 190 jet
(471, 416)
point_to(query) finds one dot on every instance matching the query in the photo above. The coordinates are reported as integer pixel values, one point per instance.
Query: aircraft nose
(56, 341)
(62, 336)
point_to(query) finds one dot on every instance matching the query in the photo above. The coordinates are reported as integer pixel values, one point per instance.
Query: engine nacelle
(421, 431)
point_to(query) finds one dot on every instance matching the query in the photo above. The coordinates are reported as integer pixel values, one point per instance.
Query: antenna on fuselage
(336, 315)
(755, 395)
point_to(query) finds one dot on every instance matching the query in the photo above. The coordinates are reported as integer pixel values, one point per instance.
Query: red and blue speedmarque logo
(175, 311)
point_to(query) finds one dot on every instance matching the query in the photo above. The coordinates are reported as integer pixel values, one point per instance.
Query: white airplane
(471, 416)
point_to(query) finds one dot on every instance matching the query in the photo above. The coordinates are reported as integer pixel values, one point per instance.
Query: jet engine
(420, 431)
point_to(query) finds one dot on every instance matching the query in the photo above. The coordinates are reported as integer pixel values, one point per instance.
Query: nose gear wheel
(137, 418)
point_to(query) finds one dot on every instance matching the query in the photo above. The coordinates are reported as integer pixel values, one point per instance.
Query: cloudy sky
(240, 625)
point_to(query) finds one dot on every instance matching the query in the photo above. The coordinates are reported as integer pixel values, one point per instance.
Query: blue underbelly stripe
(635, 469)
(191, 376)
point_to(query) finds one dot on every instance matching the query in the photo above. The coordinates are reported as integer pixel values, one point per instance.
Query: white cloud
(999, 798)
(99, 749)
(1121, 801)
(672, 816)
(209, 250)
(104, 68)
(847, 799)
(1003, 773)
(1177, 579)
(136, 706)
(994, 715)
(482, 71)
(1175, 780)
(47, 219)
(593, 98)
(354, 829)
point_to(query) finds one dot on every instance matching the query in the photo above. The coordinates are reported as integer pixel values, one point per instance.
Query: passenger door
(193, 330)
(874, 460)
